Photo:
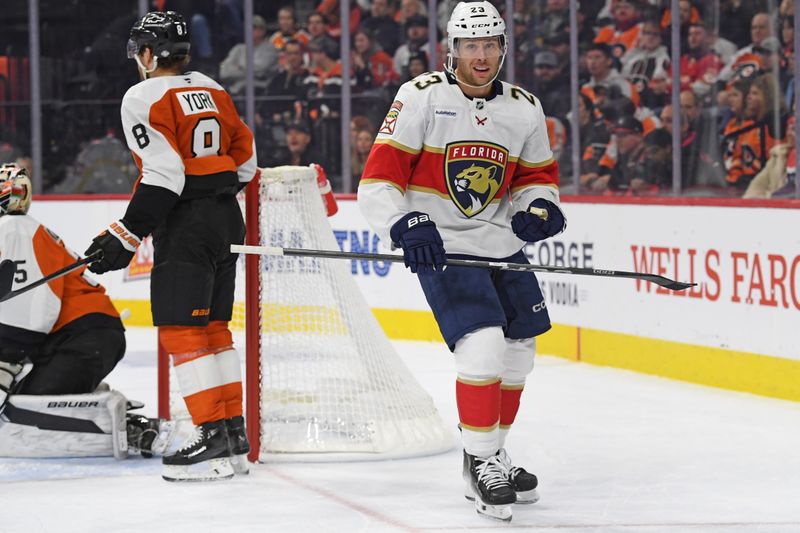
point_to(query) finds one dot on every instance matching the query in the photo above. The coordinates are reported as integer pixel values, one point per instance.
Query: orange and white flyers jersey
(186, 127)
(462, 161)
(38, 252)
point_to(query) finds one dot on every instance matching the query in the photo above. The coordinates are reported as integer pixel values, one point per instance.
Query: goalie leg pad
(71, 425)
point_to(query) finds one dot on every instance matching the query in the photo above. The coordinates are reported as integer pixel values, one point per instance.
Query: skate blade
(527, 497)
(241, 466)
(495, 512)
(211, 470)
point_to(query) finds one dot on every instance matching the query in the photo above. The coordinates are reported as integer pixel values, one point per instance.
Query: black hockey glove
(532, 228)
(422, 245)
(118, 245)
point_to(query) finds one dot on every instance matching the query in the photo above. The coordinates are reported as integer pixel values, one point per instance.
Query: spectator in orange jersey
(623, 35)
(287, 29)
(778, 177)
(731, 135)
(372, 67)
(766, 130)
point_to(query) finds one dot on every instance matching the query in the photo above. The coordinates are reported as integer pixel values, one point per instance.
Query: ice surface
(615, 451)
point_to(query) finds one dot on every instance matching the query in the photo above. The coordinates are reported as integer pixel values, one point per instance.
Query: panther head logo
(479, 180)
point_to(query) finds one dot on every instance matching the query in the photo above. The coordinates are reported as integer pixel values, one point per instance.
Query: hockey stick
(498, 265)
(7, 275)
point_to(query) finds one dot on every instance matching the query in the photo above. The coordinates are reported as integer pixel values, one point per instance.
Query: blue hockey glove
(118, 245)
(422, 245)
(531, 228)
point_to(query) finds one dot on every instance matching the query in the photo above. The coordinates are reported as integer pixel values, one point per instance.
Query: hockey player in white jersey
(460, 164)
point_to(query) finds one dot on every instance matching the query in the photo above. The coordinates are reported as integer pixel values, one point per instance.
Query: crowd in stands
(736, 68)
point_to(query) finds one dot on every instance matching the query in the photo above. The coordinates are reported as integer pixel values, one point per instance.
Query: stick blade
(678, 285)
(668, 283)
(7, 270)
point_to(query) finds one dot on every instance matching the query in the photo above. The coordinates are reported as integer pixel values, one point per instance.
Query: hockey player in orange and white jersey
(71, 335)
(459, 164)
(194, 153)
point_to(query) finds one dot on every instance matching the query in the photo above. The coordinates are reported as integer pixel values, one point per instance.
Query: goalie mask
(474, 20)
(15, 190)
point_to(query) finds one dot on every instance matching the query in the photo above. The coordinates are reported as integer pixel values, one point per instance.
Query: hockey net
(322, 381)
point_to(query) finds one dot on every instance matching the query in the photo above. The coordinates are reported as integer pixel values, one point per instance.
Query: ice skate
(524, 482)
(240, 447)
(488, 487)
(204, 457)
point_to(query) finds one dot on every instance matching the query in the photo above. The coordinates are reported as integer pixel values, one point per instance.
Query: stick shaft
(475, 263)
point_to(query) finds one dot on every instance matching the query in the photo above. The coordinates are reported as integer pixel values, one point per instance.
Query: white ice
(615, 451)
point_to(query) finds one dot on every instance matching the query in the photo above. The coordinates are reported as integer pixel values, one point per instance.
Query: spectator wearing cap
(646, 66)
(623, 34)
(388, 33)
(550, 84)
(600, 64)
(299, 151)
(373, 68)
(416, 41)
(233, 68)
(629, 134)
(287, 29)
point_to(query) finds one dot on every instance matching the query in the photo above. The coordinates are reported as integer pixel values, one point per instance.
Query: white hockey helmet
(471, 20)
(15, 190)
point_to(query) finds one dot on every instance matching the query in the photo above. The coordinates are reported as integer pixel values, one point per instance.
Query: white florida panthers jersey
(468, 163)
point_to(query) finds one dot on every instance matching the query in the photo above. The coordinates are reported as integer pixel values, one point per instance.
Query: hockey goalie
(57, 343)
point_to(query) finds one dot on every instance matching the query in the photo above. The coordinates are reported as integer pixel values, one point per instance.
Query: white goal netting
(332, 387)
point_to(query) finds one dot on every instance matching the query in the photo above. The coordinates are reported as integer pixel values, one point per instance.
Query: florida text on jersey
(461, 160)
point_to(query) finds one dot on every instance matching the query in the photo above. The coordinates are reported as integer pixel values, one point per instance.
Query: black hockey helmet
(165, 32)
